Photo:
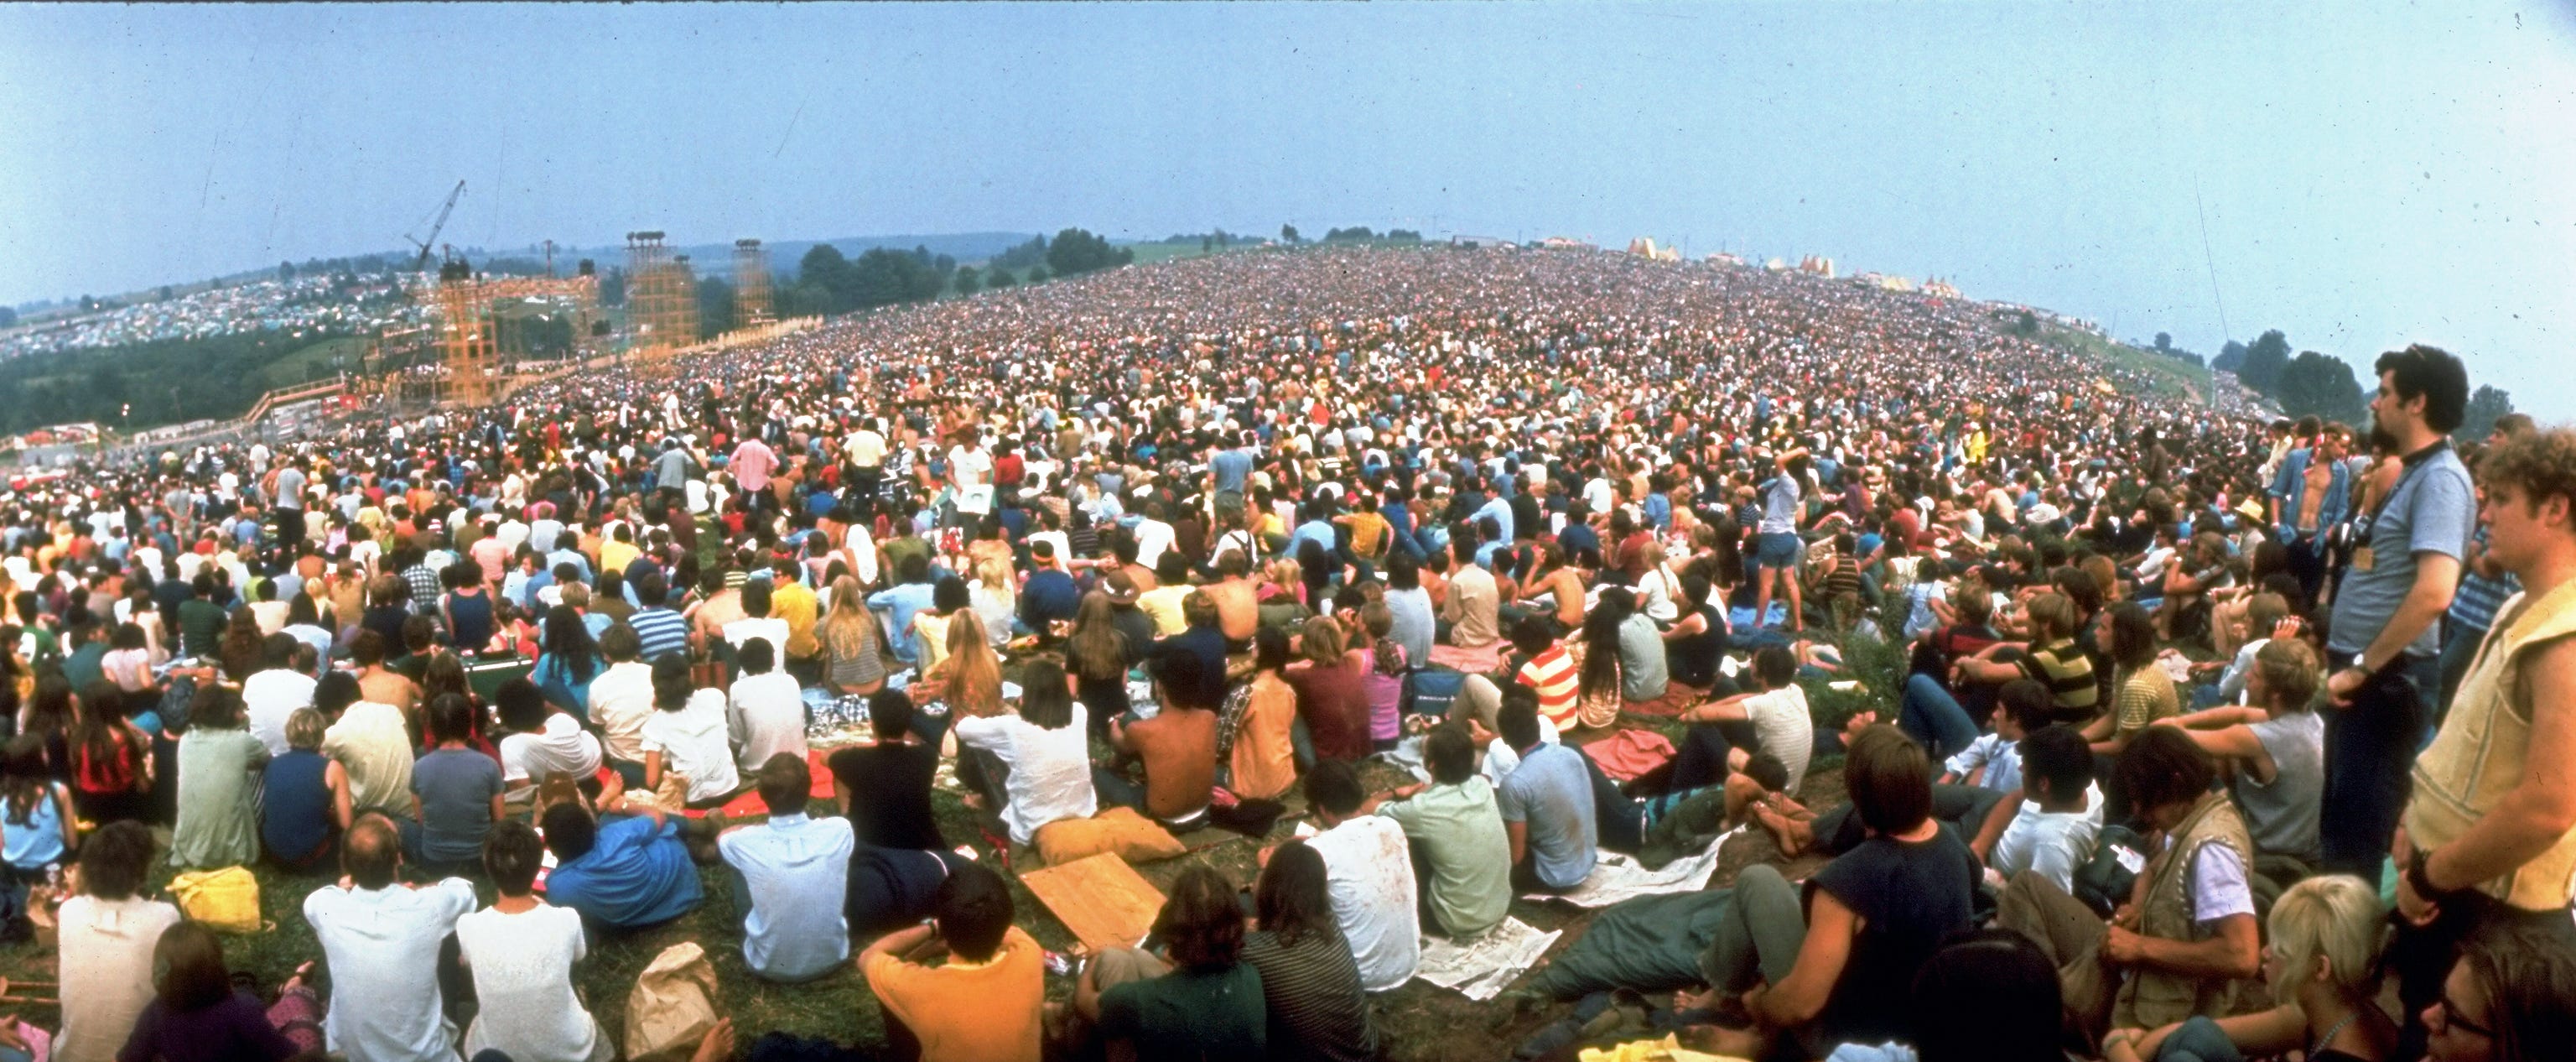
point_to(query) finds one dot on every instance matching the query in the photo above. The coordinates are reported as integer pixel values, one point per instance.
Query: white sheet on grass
(1481, 968)
(1619, 877)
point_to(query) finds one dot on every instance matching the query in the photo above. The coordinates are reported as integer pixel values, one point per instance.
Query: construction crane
(422, 263)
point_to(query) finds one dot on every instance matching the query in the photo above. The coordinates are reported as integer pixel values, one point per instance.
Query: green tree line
(166, 381)
(828, 281)
(2311, 383)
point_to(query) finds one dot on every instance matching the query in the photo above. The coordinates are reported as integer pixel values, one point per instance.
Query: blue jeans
(1115, 790)
(2199, 1040)
(1933, 717)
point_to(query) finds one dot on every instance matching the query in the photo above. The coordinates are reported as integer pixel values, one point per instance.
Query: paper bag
(672, 1007)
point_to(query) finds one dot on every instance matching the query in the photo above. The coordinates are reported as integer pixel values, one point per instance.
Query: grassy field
(2165, 376)
(1418, 1021)
(313, 362)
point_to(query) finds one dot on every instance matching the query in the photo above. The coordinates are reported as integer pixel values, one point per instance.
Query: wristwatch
(2420, 879)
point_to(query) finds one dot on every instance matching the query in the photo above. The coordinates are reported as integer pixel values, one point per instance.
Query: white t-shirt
(771, 627)
(1599, 496)
(765, 716)
(383, 948)
(1659, 594)
(1786, 731)
(1152, 538)
(1369, 875)
(2218, 887)
(522, 966)
(2053, 843)
(692, 742)
(865, 448)
(1050, 775)
(268, 698)
(2153, 566)
(106, 971)
(621, 699)
(559, 746)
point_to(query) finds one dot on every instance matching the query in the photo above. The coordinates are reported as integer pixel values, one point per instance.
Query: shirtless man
(721, 606)
(1177, 748)
(378, 683)
(2320, 476)
(1238, 609)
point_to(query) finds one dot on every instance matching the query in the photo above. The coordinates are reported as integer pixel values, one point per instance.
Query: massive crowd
(2215, 738)
(312, 304)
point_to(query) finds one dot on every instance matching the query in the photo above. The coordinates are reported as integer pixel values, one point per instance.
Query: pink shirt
(752, 463)
(492, 555)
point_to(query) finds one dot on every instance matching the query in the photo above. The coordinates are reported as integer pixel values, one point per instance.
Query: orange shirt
(965, 1012)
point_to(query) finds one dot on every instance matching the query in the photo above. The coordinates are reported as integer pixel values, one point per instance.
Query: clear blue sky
(2371, 175)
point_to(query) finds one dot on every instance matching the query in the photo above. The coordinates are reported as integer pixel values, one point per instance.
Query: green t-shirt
(201, 625)
(82, 665)
(896, 549)
(1471, 855)
(1190, 1015)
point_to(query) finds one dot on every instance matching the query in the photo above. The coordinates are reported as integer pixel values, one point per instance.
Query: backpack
(2105, 881)
(1432, 691)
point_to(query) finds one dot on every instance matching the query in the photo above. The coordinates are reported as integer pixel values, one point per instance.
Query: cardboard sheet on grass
(1619, 877)
(1101, 899)
(1481, 968)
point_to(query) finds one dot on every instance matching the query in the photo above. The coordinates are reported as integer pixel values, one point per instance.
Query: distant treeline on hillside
(164, 381)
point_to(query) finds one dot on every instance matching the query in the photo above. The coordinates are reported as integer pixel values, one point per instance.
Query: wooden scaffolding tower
(466, 352)
(752, 305)
(684, 302)
(656, 297)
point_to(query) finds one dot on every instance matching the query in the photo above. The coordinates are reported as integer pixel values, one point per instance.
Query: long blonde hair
(995, 572)
(850, 617)
(974, 672)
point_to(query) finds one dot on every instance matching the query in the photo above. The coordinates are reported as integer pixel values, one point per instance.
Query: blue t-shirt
(1576, 538)
(1231, 467)
(636, 874)
(31, 844)
(295, 803)
(904, 601)
(1552, 793)
(2433, 509)
(455, 787)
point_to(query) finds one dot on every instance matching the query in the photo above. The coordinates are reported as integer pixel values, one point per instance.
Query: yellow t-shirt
(792, 602)
(968, 1012)
(1163, 605)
